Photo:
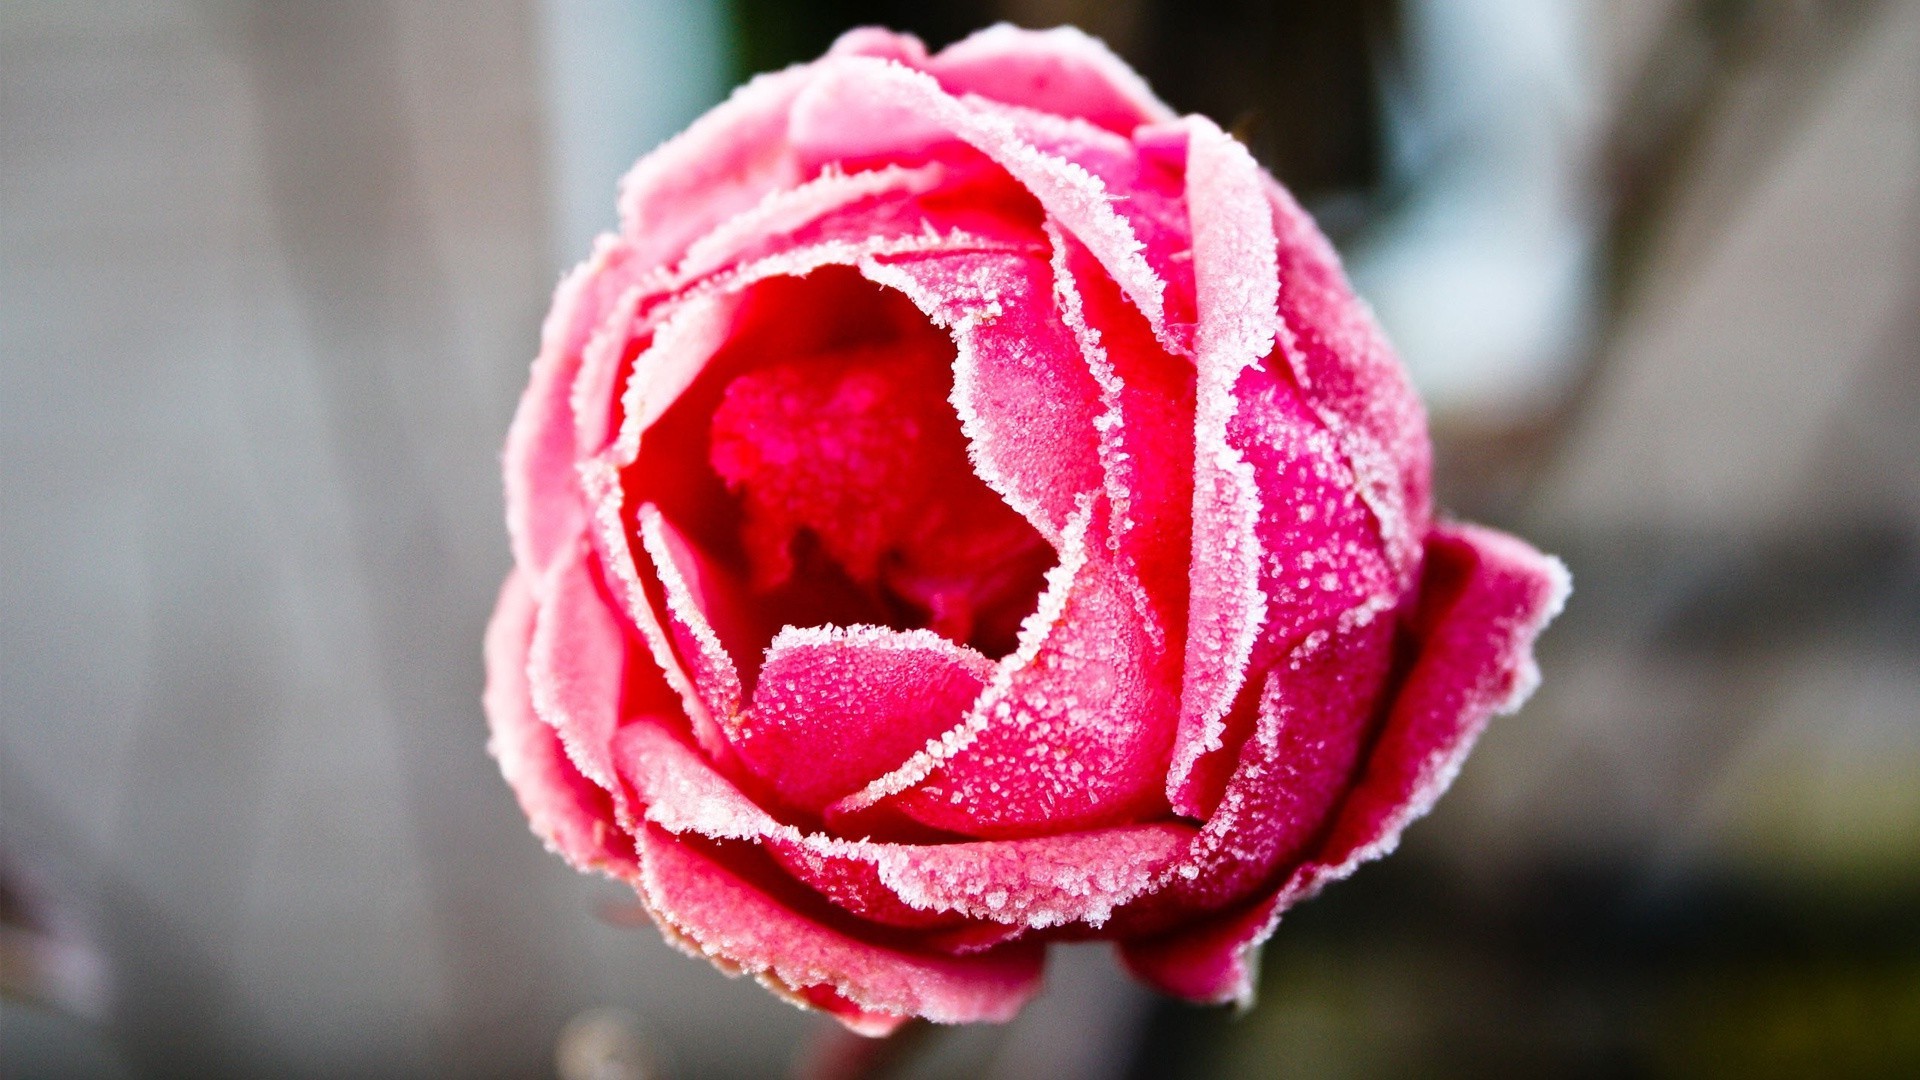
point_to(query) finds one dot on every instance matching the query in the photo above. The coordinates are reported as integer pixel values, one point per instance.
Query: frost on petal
(1061, 71)
(1075, 729)
(1145, 431)
(572, 815)
(577, 662)
(1071, 878)
(863, 107)
(1316, 710)
(721, 905)
(704, 611)
(639, 595)
(1323, 568)
(836, 707)
(545, 507)
(1484, 598)
(727, 161)
(1026, 401)
(1235, 288)
(1354, 381)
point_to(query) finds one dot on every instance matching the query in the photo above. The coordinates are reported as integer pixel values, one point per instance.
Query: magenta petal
(1235, 283)
(1037, 882)
(704, 612)
(711, 909)
(836, 707)
(1026, 401)
(863, 106)
(577, 663)
(1214, 962)
(1061, 71)
(1485, 597)
(545, 506)
(1324, 570)
(1350, 374)
(724, 163)
(569, 813)
(1073, 733)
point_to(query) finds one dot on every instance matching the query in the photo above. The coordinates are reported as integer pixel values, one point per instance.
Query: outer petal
(1350, 374)
(1485, 598)
(546, 509)
(713, 906)
(725, 162)
(861, 107)
(1059, 71)
(1037, 882)
(570, 813)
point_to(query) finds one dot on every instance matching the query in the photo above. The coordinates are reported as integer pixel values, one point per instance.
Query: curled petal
(1350, 375)
(848, 704)
(1236, 284)
(572, 815)
(1485, 597)
(546, 509)
(1039, 882)
(715, 908)
(1061, 71)
(1074, 731)
(1025, 400)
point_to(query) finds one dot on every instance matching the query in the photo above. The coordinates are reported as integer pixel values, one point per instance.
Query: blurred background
(272, 275)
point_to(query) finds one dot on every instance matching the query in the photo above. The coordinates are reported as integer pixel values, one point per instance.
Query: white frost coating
(982, 454)
(542, 693)
(1527, 680)
(1237, 290)
(865, 636)
(1061, 41)
(1436, 776)
(697, 320)
(994, 702)
(726, 695)
(1036, 883)
(591, 396)
(601, 479)
(681, 348)
(1067, 191)
(1110, 424)
(782, 211)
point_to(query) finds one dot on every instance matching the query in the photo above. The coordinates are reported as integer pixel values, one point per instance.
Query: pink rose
(965, 508)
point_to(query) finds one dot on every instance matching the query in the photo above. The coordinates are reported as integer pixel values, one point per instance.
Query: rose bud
(963, 508)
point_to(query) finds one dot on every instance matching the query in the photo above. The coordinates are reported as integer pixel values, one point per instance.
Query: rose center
(851, 474)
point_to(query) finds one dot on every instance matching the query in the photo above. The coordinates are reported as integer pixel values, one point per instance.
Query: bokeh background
(272, 274)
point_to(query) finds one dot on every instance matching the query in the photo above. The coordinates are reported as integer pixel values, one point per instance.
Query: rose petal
(1037, 882)
(577, 662)
(704, 610)
(572, 815)
(711, 908)
(1075, 730)
(1146, 445)
(545, 507)
(861, 106)
(1349, 372)
(1485, 598)
(1061, 71)
(1025, 399)
(722, 164)
(837, 706)
(1236, 284)
(1324, 569)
